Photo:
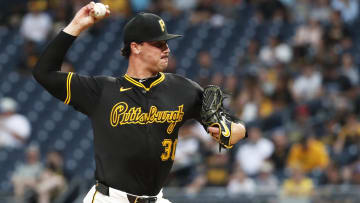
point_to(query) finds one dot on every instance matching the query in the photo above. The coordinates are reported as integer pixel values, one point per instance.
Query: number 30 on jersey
(169, 151)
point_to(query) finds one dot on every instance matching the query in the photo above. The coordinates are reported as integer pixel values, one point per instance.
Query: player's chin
(163, 65)
(164, 60)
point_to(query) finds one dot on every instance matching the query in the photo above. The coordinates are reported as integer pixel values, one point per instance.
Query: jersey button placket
(147, 106)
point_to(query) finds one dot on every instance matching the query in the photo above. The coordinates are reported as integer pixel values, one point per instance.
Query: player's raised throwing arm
(47, 71)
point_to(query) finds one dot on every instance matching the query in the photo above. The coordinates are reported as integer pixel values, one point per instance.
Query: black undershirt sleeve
(47, 70)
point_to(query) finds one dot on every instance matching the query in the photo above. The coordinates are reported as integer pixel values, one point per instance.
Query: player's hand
(83, 19)
(237, 132)
(214, 132)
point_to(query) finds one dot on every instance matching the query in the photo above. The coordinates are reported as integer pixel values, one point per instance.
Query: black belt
(103, 189)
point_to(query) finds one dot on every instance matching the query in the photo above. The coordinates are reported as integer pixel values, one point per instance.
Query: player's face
(156, 55)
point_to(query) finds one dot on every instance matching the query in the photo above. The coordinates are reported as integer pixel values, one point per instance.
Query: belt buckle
(138, 199)
(149, 200)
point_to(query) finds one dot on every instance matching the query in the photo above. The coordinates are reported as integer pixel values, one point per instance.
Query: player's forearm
(47, 70)
(237, 132)
(53, 56)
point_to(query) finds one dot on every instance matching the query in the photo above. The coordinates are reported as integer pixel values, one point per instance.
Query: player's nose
(166, 48)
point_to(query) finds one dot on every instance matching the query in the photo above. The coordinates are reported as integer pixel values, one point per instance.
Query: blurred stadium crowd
(290, 69)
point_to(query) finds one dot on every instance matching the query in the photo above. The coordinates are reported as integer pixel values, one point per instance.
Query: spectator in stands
(61, 13)
(336, 30)
(349, 69)
(247, 103)
(28, 58)
(266, 182)
(52, 181)
(308, 155)
(309, 34)
(307, 86)
(347, 45)
(267, 52)
(281, 152)
(14, 128)
(347, 175)
(321, 11)
(331, 175)
(187, 154)
(264, 103)
(214, 173)
(231, 84)
(281, 96)
(299, 10)
(275, 52)
(300, 122)
(325, 54)
(241, 184)
(227, 8)
(204, 67)
(217, 79)
(165, 6)
(349, 9)
(252, 154)
(248, 61)
(37, 24)
(268, 8)
(349, 135)
(298, 186)
(26, 174)
(337, 88)
(203, 12)
(184, 5)
(356, 172)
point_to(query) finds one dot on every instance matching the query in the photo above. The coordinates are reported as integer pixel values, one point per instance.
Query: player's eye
(158, 44)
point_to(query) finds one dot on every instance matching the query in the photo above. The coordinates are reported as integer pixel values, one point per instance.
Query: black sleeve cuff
(67, 36)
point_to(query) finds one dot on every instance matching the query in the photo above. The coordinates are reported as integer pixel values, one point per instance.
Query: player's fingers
(90, 7)
(107, 11)
(213, 130)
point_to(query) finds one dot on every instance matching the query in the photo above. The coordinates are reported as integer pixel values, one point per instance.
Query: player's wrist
(238, 132)
(73, 29)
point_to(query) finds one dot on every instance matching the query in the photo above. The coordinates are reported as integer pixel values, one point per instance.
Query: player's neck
(139, 70)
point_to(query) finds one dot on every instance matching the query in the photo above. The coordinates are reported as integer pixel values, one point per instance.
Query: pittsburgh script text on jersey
(121, 115)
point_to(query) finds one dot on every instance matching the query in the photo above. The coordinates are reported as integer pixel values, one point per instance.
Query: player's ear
(135, 47)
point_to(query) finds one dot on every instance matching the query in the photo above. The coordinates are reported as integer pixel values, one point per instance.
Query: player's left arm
(226, 129)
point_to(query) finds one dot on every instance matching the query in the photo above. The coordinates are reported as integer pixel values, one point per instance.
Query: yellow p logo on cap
(162, 25)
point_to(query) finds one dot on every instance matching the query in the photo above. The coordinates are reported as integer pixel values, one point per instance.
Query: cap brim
(165, 37)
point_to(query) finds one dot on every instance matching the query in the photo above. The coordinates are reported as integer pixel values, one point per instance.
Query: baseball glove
(213, 114)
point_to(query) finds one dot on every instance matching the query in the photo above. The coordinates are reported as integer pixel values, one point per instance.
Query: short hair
(126, 50)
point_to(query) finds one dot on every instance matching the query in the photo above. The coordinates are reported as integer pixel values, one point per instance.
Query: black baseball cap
(146, 27)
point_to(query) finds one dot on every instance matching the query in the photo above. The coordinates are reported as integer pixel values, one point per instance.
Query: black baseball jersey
(135, 126)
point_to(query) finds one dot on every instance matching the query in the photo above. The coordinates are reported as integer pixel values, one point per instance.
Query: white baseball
(99, 10)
